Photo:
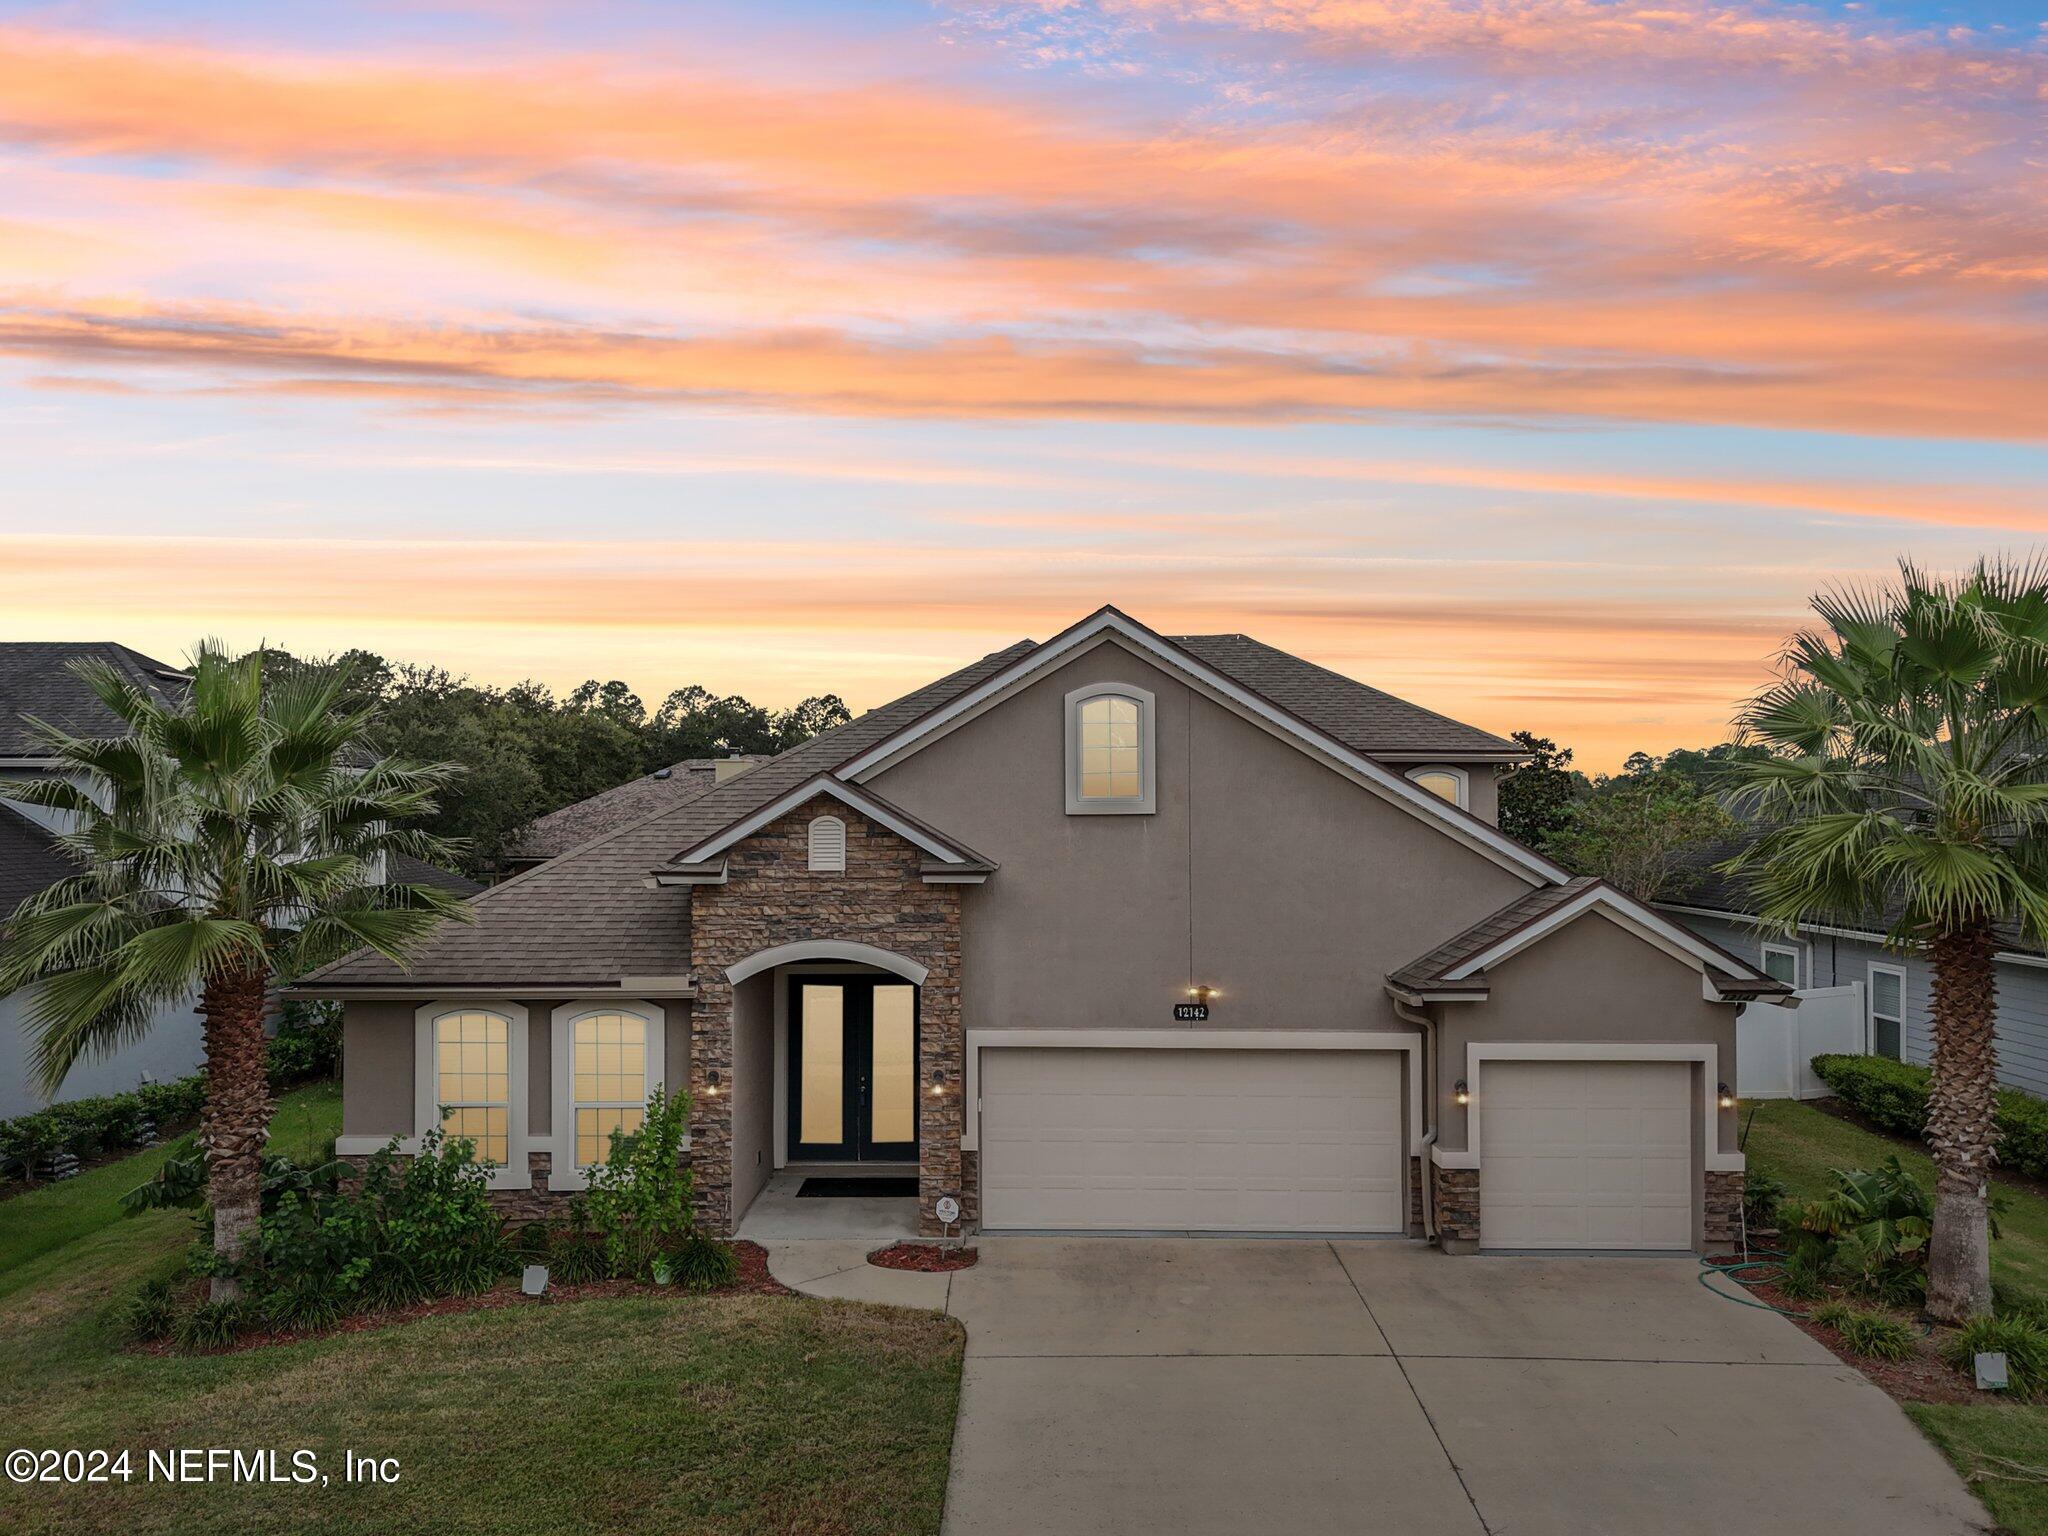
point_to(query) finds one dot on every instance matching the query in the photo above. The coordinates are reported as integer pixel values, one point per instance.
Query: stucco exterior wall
(1590, 981)
(1262, 873)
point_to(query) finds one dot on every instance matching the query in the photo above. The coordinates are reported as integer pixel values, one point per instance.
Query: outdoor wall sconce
(711, 1085)
(1201, 994)
(1727, 1098)
(938, 1081)
(1461, 1093)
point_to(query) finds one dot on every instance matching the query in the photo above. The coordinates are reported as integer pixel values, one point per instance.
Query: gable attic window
(1445, 783)
(1111, 767)
(828, 845)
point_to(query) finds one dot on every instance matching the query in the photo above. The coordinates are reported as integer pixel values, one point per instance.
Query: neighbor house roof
(561, 830)
(1456, 968)
(590, 917)
(1364, 719)
(30, 859)
(404, 869)
(36, 679)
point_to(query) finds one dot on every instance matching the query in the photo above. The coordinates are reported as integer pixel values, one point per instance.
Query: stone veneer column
(771, 897)
(1723, 1225)
(1456, 1192)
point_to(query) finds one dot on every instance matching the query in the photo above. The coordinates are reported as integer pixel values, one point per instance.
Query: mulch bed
(924, 1258)
(1926, 1378)
(753, 1279)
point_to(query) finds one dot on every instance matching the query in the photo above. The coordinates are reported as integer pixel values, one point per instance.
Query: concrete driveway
(1130, 1386)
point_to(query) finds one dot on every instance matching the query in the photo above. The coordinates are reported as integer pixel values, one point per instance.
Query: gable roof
(562, 829)
(1362, 718)
(955, 861)
(1456, 969)
(588, 917)
(1111, 623)
(35, 679)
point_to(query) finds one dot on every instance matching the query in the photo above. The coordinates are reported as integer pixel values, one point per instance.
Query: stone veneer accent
(771, 897)
(1416, 1175)
(515, 1206)
(1723, 1212)
(1456, 1192)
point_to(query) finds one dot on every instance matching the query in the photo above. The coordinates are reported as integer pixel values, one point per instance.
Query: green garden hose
(1761, 1258)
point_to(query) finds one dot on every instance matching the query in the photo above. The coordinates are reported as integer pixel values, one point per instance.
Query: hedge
(1892, 1096)
(307, 1045)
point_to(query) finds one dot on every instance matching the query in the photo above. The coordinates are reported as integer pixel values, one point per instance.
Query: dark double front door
(852, 1069)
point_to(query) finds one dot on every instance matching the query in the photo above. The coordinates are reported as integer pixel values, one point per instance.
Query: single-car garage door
(1192, 1140)
(1586, 1154)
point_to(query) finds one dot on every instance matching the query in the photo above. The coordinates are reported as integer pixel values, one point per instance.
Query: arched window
(828, 845)
(1110, 751)
(470, 1080)
(608, 1058)
(1449, 783)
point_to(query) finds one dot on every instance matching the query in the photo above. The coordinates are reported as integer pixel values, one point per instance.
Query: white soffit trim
(979, 1040)
(1678, 942)
(838, 789)
(1462, 825)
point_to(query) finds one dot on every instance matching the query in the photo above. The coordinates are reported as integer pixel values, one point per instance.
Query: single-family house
(1113, 932)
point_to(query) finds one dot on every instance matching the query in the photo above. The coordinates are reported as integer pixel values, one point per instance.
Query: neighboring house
(1896, 987)
(35, 679)
(1115, 932)
(665, 788)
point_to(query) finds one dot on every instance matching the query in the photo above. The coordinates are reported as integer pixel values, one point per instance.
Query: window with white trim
(1444, 782)
(1781, 962)
(1110, 751)
(828, 845)
(608, 1058)
(1887, 1003)
(472, 1065)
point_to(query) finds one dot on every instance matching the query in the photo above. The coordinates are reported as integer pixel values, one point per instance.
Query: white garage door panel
(1192, 1140)
(1586, 1154)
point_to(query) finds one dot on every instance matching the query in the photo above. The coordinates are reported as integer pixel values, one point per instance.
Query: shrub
(1804, 1274)
(1869, 1333)
(1892, 1095)
(572, 1253)
(703, 1263)
(2022, 1340)
(211, 1325)
(1871, 1228)
(307, 1044)
(639, 1199)
(110, 1122)
(1762, 1196)
(152, 1313)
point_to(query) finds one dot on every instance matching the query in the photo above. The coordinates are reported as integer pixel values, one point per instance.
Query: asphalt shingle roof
(1429, 970)
(561, 830)
(1364, 719)
(36, 680)
(588, 918)
(30, 859)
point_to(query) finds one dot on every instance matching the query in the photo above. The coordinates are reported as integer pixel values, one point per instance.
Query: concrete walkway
(1202, 1386)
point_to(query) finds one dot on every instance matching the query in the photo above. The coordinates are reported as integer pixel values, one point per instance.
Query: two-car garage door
(1586, 1154)
(1218, 1140)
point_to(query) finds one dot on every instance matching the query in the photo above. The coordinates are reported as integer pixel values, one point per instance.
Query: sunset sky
(1533, 359)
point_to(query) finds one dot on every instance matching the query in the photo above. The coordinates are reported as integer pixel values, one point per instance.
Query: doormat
(857, 1189)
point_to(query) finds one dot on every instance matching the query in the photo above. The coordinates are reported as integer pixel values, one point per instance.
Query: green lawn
(745, 1414)
(1800, 1144)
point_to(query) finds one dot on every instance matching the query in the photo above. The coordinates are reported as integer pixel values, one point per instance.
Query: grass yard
(1800, 1144)
(736, 1414)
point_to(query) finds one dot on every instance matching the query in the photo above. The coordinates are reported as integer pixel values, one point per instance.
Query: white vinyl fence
(1774, 1044)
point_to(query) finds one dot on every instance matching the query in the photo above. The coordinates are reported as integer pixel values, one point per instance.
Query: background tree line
(1637, 829)
(526, 752)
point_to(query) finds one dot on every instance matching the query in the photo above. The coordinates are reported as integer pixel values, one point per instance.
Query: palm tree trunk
(1962, 1100)
(236, 1120)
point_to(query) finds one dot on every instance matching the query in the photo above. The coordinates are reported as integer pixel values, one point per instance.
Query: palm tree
(1907, 773)
(236, 836)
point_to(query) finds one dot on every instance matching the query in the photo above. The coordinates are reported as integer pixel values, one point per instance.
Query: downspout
(1422, 1020)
